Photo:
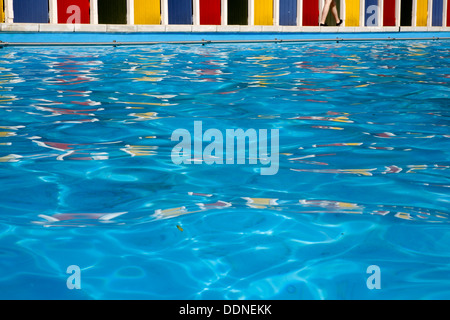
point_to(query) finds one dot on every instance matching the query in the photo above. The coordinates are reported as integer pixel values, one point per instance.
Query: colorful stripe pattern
(2, 12)
(389, 13)
(112, 11)
(352, 10)
(448, 13)
(310, 14)
(73, 11)
(31, 11)
(406, 13)
(180, 11)
(331, 21)
(419, 13)
(437, 14)
(264, 12)
(371, 13)
(237, 12)
(210, 12)
(147, 11)
(288, 12)
(422, 13)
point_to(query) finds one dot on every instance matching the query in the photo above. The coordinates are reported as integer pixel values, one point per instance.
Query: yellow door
(147, 11)
(2, 14)
(264, 12)
(422, 13)
(352, 11)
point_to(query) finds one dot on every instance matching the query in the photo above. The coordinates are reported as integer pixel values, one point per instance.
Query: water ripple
(87, 176)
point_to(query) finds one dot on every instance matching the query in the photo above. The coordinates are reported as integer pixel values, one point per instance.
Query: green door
(112, 11)
(238, 12)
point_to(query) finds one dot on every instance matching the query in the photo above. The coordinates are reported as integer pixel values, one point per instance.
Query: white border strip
(9, 11)
(94, 12)
(445, 8)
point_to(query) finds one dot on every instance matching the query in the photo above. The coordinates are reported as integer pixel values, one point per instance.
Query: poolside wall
(259, 15)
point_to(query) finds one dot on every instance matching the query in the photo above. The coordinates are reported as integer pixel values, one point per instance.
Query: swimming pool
(88, 180)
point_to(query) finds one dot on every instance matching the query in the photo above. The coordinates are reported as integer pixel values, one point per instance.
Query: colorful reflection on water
(87, 177)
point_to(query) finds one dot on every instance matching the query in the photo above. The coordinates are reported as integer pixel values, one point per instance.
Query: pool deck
(72, 34)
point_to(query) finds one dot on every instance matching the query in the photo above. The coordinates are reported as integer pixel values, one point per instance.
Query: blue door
(288, 12)
(180, 11)
(371, 13)
(31, 11)
(437, 14)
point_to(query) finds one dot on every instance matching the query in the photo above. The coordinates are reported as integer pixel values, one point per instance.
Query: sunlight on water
(88, 180)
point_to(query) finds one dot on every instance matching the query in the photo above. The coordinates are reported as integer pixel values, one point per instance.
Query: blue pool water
(364, 172)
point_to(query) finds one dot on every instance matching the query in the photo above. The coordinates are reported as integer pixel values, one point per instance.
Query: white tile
(272, 28)
(21, 27)
(329, 29)
(90, 27)
(120, 28)
(231, 28)
(311, 29)
(292, 29)
(434, 29)
(46, 27)
(178, 28)
(250, 28)
(150, 28)
(389, 29)
(375, 29)
(347, 29)
(204, 28)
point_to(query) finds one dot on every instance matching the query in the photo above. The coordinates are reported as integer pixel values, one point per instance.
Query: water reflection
(342, 119)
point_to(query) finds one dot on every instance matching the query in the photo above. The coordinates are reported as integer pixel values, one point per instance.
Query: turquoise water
(87, 177)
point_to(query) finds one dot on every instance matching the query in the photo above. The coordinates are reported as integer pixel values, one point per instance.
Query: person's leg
(325, 10)
(335, 13)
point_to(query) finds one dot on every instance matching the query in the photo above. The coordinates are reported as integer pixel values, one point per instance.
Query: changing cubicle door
(31, 11)
(147, 11)
(389, 16)
(2, 12)
(112, 11)
(371, 13)
(288, 12)
(406, 13)
(352, 13)
(264, 12)
(421, 13)
(437, 13)
(237, 12)
(73, 11)
(448, 13)
(311, 13)
(331, 21)
(180, 11)
(210, 12)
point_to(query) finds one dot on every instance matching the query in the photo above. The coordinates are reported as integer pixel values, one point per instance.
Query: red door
(210, 12)
(311, 13)
(73, 11)
(389, 13)
(448, 13)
